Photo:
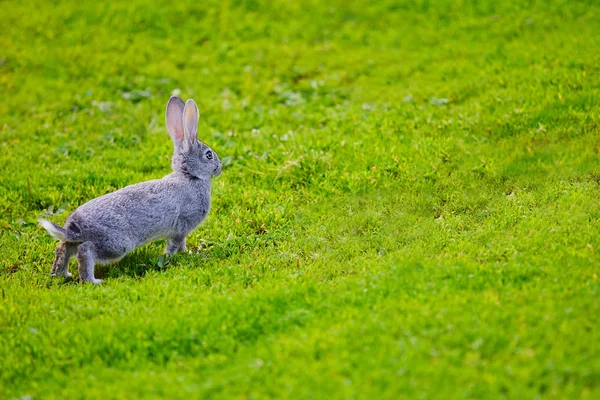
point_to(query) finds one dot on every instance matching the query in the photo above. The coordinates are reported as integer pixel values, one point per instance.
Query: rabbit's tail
(54, 230)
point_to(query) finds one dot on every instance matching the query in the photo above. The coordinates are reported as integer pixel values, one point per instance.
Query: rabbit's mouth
(217, 171)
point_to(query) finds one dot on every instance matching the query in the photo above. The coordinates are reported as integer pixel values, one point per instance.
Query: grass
(408, 209)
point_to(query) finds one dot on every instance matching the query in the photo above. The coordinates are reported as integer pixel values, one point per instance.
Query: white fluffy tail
(54, 230)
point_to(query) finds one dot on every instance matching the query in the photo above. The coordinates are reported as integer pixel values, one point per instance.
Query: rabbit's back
(119, 222)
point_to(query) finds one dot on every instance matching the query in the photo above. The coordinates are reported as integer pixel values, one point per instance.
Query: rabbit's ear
(175, 108)
(190, 121)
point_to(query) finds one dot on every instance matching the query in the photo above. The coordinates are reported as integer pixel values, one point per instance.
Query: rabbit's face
(209, 161)
(201, 161)
(192, 157)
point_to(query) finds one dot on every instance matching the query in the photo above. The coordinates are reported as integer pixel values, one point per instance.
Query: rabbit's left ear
(174, 118)
(190, 122)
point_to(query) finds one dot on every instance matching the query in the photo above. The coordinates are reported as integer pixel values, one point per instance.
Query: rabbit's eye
(209, 155)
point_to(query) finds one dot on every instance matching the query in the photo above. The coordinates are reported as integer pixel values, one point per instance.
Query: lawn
(409, 205)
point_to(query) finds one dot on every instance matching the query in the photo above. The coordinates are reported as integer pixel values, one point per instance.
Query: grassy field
(409, 206)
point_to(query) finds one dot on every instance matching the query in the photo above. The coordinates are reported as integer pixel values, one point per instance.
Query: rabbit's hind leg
(64, 252)
(176, 245)
(86, 257)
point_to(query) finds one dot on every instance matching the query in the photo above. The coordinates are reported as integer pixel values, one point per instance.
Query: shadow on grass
(135, 265)
(142, 261)
(138, 263)
(153, 259)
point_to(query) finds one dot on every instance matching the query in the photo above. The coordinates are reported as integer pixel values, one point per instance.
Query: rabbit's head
(191, 157)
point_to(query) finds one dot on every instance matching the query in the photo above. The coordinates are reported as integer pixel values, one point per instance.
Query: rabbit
(105, 229)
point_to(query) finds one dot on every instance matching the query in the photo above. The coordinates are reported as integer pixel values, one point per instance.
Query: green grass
(409, 206)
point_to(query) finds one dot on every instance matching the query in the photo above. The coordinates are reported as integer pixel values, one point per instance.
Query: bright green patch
(409, 208)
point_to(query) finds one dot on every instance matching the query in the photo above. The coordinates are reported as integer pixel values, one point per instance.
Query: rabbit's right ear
(190, 122)
(174, 118)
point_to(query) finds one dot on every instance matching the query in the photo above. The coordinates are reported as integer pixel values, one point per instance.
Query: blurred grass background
(409, 205)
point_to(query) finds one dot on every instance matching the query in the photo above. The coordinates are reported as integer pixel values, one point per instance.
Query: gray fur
(106, 228)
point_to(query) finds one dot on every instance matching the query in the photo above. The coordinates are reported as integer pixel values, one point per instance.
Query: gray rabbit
(106, 228)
